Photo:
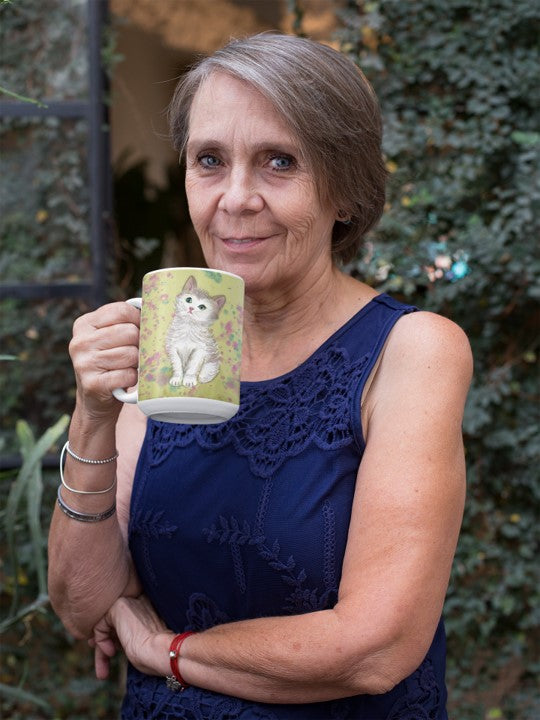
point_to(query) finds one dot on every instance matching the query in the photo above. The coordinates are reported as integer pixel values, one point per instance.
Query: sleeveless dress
(249, 518)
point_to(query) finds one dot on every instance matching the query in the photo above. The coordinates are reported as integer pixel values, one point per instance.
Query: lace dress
(249, 518)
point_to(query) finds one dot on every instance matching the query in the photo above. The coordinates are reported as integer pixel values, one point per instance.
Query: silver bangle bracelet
(92, 462)
(83, 517)
(86, 460)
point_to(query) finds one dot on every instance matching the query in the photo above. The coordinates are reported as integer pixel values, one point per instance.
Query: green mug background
(160, 288)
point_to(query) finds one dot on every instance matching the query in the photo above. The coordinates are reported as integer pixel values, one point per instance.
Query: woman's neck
(283, 329)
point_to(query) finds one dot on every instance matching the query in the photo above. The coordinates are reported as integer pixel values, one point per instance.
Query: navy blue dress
(249, 518)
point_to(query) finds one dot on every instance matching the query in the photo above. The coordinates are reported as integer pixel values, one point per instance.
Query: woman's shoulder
(423, 378)
(426, 344)
(428, 332)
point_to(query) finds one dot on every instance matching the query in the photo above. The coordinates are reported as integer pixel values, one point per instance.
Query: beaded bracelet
(175, 681)
(65, 449)
(84, 517)
(85, 460)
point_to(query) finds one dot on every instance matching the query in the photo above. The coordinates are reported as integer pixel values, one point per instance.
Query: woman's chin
(252, 270)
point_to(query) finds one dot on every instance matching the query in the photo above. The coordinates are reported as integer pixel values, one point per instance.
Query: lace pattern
(149, 699)
(301, 599)
(422, 699)
(313, 408)
(150, 524)
(279, 418)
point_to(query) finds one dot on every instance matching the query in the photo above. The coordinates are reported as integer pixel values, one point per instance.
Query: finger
(104, 640)
(101, 664)
(116, 358)
(92, 340)
(107, 647)
(115, 313)
(99, 372)
(107, 315)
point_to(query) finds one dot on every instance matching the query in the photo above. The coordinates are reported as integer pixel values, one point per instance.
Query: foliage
(152, 225)
(44, 231)
(44, 223)
(22, 98)
(458, 84)
(45, 238)
(30, 558)
(53, 34)
(40, 384)
(29, 484)
(34, 647)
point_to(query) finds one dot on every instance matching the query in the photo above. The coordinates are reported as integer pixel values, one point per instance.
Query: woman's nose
(240, 193)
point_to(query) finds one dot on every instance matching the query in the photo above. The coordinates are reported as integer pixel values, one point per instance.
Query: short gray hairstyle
(329, 106)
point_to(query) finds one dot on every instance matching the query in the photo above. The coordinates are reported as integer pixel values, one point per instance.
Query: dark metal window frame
(95, 111)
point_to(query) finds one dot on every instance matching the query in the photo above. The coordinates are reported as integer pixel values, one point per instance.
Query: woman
(306, 544)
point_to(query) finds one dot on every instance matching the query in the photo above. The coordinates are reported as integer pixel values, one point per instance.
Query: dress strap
(383, 330)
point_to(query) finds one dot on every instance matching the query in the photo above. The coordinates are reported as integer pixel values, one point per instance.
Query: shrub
(44, 223)
(458, 84)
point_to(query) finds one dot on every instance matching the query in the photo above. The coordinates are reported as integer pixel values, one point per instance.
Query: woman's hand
(133, 625)
(104, 352)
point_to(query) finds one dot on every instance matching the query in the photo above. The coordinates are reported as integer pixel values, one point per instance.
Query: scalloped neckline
(247, 384)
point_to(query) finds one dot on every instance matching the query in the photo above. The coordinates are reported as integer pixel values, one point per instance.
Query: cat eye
(201, 307)
(189, 300)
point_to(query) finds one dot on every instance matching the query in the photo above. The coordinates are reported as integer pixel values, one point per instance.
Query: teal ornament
(458, 270)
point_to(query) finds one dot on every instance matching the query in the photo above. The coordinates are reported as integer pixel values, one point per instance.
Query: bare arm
(405, 521)
(89, 563)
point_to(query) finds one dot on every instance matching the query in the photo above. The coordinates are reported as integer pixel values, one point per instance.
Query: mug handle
(120, 393)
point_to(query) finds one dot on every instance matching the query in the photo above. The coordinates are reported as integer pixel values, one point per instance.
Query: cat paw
(190, 381)
(175, 381)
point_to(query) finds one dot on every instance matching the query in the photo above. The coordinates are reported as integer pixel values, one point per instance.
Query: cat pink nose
(190, 310)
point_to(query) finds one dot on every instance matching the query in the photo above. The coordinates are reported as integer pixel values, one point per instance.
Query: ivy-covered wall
(458, 84)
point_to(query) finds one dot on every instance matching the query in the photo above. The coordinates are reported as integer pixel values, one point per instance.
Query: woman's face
(252, 199)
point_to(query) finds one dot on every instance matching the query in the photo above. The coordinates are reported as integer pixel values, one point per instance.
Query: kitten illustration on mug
(191, 347)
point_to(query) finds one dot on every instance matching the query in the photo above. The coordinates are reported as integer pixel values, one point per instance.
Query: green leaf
(32, 453)
(24, 696)
(22, 98)
(525, 138)
(33, 508)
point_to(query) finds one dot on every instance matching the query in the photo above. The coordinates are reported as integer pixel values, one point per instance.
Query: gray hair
(329, 106)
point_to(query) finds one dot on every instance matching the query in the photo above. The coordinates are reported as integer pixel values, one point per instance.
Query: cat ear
(190, 285)
(219, 300)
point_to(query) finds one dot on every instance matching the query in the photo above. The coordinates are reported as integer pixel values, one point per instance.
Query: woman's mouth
(239, 241)
(243, 240)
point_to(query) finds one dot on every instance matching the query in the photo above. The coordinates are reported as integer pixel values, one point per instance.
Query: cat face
(196, 305)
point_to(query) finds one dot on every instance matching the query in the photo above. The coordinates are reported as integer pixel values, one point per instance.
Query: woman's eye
(281, 162)
(208, 161)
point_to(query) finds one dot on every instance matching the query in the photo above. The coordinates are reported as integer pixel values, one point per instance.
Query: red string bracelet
(176, 681)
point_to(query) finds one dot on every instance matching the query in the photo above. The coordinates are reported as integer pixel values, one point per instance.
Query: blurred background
(92, 198)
